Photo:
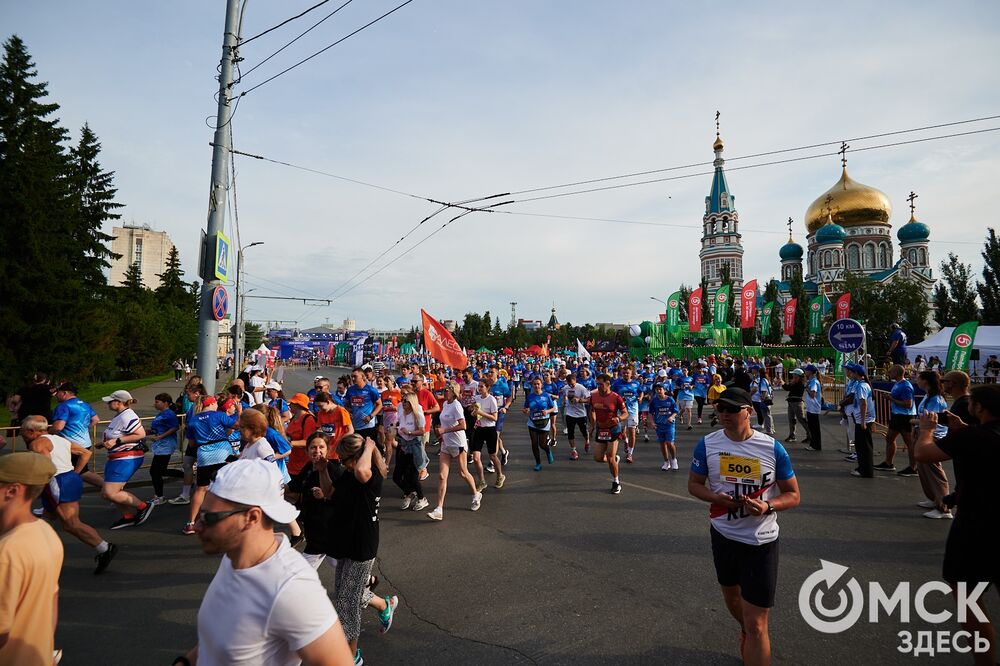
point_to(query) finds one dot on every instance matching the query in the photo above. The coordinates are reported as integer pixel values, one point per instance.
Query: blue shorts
(665, 434)
(62, 489)
(121, 470)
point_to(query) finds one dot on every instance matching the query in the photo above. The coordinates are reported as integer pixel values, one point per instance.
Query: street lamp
(238, 319)
(659, 301)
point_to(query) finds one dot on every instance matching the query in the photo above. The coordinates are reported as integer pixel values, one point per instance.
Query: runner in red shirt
(606, 414)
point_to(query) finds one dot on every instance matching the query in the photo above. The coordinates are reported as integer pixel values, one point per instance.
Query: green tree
(173, 289)
(253, 336)
(989, 288)
(942, 305)
(132, 282)
(877, 306)
(958, 279)
(685, 294)
(92, 196)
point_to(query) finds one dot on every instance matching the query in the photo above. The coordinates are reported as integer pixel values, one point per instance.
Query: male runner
(73, 419)
(663, 410)
(607, 413)
(576, 398)
(902, 410)
(630, 391)
(502, 390)
(364, 402)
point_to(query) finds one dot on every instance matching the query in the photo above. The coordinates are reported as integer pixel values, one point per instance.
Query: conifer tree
(989, 288)
(92, 195)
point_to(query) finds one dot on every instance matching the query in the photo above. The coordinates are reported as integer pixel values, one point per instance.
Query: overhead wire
(324, 49)
(298, 37)
(283, 23)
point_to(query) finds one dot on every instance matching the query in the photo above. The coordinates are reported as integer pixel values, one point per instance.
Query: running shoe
(491, 469)
(907, 471)
(436, 514)
(699, 420)
(481, 486)
(618, 458)
(500, 480)
(565, 432)
(551, 456)
(851, 458)
(477, 501)
(372, 582)
(358, 661)
(926, 504)
(143, 514)
(407, 501)
(885, 467)
(690, 427)
(714, 422)
(157, 500)
(645, 437)
(573, 455)
(586, 447)
(421, 504)
(180, 499)
(504, 456)
(385, 617)
(938, 515)
(673, 463)
(554, 443)
(790, 438)
(628, 458)
(188, 529)
(616, 488)
(424, 474)
(665, 467)
(123, 522)
(538, 467)
(104, 559)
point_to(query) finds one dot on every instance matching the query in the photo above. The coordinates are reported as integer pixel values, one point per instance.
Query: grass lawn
(94, 392)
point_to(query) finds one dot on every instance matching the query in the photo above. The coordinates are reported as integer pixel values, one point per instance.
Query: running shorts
(487, 436)
(666, 433)
(686, 404)
(901, 423)
(753, 568)
(206, 474)
(607, 435)
(121, 470)
(633, 417)
(62, 489)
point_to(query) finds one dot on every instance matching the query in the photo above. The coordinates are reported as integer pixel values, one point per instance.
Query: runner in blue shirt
(631, 392)
(685, 399)
(538, 405)
(701, 380)
(902, 412)
(73, 418)
(647, 393)
(163, 437)
(364, 402)
(663, 409)
(211, 429)
(502, 391)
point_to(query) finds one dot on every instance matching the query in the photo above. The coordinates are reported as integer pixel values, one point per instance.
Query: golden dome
(851, 204)
(718, 143)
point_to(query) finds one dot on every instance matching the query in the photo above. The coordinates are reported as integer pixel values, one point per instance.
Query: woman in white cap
(123, 438)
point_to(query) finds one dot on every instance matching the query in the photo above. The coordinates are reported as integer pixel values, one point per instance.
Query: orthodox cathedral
(847, 229)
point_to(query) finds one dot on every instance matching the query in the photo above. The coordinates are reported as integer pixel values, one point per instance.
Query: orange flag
(441, 345)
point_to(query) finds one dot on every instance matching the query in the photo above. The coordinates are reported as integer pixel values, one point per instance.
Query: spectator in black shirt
(35, 399)
(796, 388)
(741, 378)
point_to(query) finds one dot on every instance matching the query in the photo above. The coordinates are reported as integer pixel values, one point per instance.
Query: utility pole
(239, 350)
(208, 327)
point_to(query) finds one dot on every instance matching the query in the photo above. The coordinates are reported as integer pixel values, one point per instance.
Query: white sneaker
(436, 514)
(926, 504)
(665, 467)
(938, 515)
(673, 464)
(38, 512)
(180, 499)
(421, 503)
(407, 501)
(158, 501)
(477, 501)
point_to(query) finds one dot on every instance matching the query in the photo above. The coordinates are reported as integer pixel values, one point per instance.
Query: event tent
(987, 342)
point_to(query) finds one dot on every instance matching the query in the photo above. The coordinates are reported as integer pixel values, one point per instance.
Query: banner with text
(844, 307)
(765, 317)
(694, 311)
(789, 318)
(721, 315)
(748, 305)
(816, 315)
(673, 311)
(962, 339)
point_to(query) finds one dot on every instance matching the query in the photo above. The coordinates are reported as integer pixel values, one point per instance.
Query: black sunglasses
(726, 408)
(213, 518)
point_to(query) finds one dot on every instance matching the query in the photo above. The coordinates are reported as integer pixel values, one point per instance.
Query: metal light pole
(659, 301)
(208, 327)
(238, 321)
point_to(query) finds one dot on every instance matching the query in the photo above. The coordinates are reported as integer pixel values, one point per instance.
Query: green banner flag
(816, 315)
(673, 311)
(962, 339)
(721, 316)
(765, 318)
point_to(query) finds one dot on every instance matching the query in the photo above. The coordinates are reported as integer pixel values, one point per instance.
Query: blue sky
(454, 100)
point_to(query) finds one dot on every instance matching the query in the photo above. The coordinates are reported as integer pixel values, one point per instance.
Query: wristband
(770, 509)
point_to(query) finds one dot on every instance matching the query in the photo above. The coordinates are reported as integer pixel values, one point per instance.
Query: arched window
(923, 257)
(853, 257)
(913, 256)
(827, 259)
(886, 255)
(868, 256)
(725, 225)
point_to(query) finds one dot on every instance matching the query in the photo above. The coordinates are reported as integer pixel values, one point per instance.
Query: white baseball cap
(254, 483)
(120, 396)
(273, 385)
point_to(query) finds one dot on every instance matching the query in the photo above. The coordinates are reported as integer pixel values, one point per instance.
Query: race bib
(604, 435)
(737, 469)
(538, 416)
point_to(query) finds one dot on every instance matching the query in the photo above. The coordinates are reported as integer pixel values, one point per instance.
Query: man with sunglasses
(749, 477)
(266, 604)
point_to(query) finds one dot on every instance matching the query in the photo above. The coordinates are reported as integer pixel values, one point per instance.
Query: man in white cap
(266, 604)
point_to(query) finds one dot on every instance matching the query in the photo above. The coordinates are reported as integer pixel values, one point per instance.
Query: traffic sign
(846, 335)
(221, 256)
(220, 303)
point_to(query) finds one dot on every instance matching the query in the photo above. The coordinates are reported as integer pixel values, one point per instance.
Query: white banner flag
(581, 351)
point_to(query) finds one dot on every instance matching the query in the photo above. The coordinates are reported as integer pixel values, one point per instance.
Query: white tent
(987, 342)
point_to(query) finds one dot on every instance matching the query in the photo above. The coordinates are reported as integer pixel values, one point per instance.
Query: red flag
(790, 316)
(844, 306)
(663, 317)
(694, 311)
(748, 305)
(440, 343)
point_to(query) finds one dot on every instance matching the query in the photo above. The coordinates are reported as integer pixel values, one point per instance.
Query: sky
(454, 100)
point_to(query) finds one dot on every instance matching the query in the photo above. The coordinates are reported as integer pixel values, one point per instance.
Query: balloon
(634, 330)
(648, 339)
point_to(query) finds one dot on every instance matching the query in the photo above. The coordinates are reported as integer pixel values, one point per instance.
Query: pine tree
(958, 277)
(989, 288)
(93, 199)
(173, 289)
(132, 282)
(942, 305)
(685, 294)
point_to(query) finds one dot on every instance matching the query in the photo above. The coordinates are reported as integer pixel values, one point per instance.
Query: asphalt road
(552, 570)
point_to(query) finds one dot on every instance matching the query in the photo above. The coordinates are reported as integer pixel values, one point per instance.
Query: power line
(300, 36)
(285, 22)
(324, 49)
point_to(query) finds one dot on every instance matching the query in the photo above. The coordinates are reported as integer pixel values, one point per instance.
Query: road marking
(660, 492)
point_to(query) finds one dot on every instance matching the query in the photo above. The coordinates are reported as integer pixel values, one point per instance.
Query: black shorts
(487, 436)
(369, 432)
(901, 423)
(206, 474)
(753, 568)
(576, 422)
(191, 451)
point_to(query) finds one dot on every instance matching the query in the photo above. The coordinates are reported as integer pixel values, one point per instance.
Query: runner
(577, 398)
(630, 391)
(453, 446)
(714, 391)
(332, 419)
(193, 395)
(647, 381)
(164, 439)
(606, 416)
(316, 511)
(302, 425)
(431, 408)
(685, 400)
(763, 397)
(74, 419)
(663, 409)
(553, 389)
(486, 412)
(123, 438)
(933, 478)
(210, 429)
(61, 495)
(539, 406)
(749, 477)
(364, 403)
(390, 404)
(902, 412)
(410, 427)
(701, 379)
(501, 389)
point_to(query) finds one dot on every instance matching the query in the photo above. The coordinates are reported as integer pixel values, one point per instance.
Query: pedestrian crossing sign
(221, 257)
